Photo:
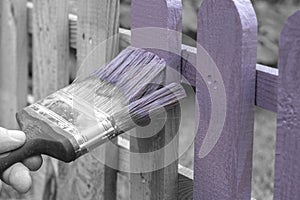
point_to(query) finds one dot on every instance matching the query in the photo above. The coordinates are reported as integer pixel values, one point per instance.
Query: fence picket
(13, 60)
(227, 31)
(50, 47)
(287, 174)
(162, 14)
(88, 178)
(13, 67)
(50, 73)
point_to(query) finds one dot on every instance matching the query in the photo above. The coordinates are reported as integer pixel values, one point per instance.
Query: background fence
(228, 32)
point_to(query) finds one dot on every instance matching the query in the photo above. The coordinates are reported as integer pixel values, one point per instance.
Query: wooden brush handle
(40, 139)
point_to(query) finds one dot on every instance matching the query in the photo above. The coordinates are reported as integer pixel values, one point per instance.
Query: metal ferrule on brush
(105, 130)
(58, 124)
(98, 129)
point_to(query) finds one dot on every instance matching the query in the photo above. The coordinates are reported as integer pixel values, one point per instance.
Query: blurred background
(271, 16)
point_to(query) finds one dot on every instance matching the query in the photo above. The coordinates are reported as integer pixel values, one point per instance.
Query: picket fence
(227, 31)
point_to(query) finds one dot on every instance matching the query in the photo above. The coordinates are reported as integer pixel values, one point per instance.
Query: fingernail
(17, 135)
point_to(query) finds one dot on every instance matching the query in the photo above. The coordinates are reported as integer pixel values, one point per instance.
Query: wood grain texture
(97, 22)
(185, 175)
(50, 46)
(50, 72)
(227, 30)
(88, 178)
(160, 16)
(287, 173)
(159, 183)
(72, 38)
(13, 60)
(266, 77)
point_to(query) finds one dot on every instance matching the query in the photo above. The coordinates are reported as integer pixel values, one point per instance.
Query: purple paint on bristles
(132, 70)
(129, 87)
(88, 113)
(154, 103)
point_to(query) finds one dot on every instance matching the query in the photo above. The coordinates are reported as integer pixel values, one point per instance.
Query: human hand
(18, 175)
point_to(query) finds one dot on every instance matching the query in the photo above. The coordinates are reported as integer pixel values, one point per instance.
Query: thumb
(11, 139)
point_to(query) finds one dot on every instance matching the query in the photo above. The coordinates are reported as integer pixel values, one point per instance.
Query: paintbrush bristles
(129, 88)
(153, 103)
(134, 73)
(88, 113)
(139, 69)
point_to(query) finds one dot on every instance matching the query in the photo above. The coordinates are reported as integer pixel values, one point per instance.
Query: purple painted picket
(151, 21)
(225, 79)
(155, 25)
(287, 171)
(227, 30)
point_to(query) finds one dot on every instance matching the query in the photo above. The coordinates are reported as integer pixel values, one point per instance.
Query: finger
(18, 177)
(11, 139)
(33, 163)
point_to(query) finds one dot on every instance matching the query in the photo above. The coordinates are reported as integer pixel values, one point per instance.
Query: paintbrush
(82, 116)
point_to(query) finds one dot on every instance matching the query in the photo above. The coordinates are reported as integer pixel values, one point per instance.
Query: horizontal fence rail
(266, 77)
(62, 41)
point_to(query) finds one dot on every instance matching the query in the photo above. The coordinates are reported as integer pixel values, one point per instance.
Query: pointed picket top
(287, 164)
(226, 60)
